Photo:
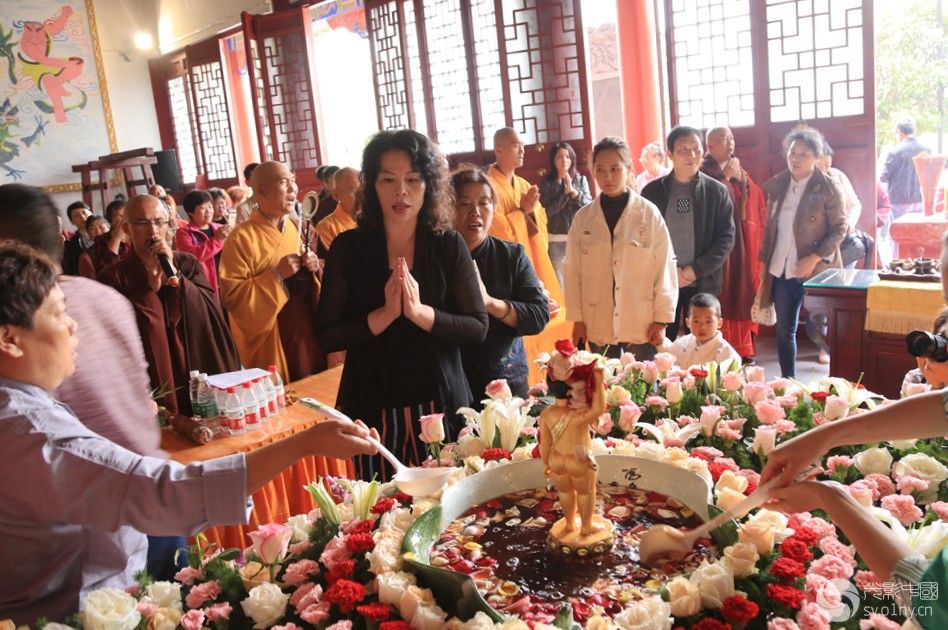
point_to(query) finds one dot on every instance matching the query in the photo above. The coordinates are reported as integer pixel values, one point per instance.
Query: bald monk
(520, 218)
(345, 185)
(178, 315)
(269, 289)
(741, 274)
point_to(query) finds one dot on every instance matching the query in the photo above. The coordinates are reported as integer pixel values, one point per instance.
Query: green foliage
(323, 531)
(911, 66)
(564, 618)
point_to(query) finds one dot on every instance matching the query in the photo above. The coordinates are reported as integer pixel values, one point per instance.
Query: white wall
(183, 22)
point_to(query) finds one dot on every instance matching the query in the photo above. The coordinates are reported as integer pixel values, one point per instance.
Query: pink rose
(499, 389)
(908, 484)
(883, 484)
(650, 372)
(664, 361)
(270, 542)
(831, 546)
(206, 591)
(769, 411)
(192, 620)
(779, 385)
(188, 575)
(334, 552)
(629, 414)
(604, 426)
(673, 390)
(710, 414)
(755, 373)
(875, 621)
(432, 425)
(299, 572)
(626, 358)
(833, 462)
(298, 548)
(765, 440)
(784, 426)
(782, 623)
(787, 401)
(755, 392)
(812, 616)
(218, 612)
(902, 507)
(940, 508)
(835, 408)
(315, 613)
(307, 595)
(147, 609)
(656, 401)
(822, 591)
(832, 568)
(732, 381)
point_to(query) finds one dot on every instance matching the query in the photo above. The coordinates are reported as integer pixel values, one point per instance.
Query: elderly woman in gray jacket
(806, 222)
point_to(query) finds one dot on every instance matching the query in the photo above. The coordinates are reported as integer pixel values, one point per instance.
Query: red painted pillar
(638, 66)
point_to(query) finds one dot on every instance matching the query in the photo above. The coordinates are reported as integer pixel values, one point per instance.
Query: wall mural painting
(54, 107)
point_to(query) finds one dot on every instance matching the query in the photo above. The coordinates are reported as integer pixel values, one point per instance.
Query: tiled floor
(808, 368)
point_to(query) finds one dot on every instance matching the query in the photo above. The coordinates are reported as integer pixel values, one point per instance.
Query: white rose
(698, 467)
(480, 621)
(265, 604)
(673, 392)
(109, 609)
(835, 408)
(522, 453)
(392, 585)
(651, 613)
(924, 467)
(683, 597)
(903, 445)
(765, 439)
(674, 454)
(741, 558)
(413, 598)
(873, 460)
(778, 520)
(386, 556)
(715, 582)
(300, 526)
(165, 619)
(428, 617)
(164, 594)
(617, 395)
(761, 534)
(396, 520)
(650, 450)
(728, 498)
(731, 481)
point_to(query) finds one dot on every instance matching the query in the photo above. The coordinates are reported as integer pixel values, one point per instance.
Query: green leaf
(726, 534)
(564, 618)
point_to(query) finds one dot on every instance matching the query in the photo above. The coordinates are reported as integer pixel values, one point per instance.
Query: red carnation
(787, 569)
(710, 623)
(739, 610)
(796, 549)
(717, 469)
(383, 505)
(785, 595)
(341, 571)
(395, 625)
(807, 535)
(359, 542)
(403, 498)
(565, 347)
(535, 453)
(345, 594)
(699, 373)
(495, 453)
(362, 527)
(819, 396)
(377, 611)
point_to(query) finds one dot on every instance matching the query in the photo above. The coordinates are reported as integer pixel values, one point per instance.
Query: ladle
(415, 482)
(663, 542)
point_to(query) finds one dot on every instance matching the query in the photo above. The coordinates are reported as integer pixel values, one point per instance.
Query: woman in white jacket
(620, 276)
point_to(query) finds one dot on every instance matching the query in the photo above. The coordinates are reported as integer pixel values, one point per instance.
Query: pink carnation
(656, 401)
(868, 582)
(753, 477)
(787, 401)
(902, 507)
(784, 426)
(707, 453)
(334, 553)
(879, 622)
(832, 568)
(345, 624)
(187, 575)
(315, 613)
(147, 609)
(822, 591)
(218, 612)
(727, 433)
(812, 616)
(883, 484)
(822, 528)
(831, 546)
(726, 463)
(298, 548)
(838, 461)
(192, 620)
(863, 491)
(910, 483)
(299, 572)
(287, 626)
(782, 623)
(684, 421)
(206, 591)
(307, 595)
(941, 509)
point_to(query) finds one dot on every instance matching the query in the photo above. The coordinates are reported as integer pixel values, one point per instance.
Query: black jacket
(899, 172)
(714, 226)
(354, 285)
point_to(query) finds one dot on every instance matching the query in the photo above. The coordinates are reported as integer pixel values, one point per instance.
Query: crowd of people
(426, 284)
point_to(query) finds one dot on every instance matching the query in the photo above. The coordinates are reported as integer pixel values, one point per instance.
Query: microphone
(166, 266)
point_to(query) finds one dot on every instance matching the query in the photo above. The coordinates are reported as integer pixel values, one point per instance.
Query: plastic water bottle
(261, 395)
(193, 391)
(267, 385)
(233, 410)
(277, 385)
(206, 399)
(250, 405)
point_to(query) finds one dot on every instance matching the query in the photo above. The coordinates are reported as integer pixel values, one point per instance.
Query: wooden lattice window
(179, 97)
(213, 121)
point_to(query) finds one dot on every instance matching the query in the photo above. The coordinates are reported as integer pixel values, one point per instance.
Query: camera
(922, 343)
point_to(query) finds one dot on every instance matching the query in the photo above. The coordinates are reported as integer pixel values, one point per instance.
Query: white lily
(668, 429)
(928, 540)
(364, 495)
(855, 396)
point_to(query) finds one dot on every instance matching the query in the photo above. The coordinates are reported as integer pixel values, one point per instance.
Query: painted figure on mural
(50, 74)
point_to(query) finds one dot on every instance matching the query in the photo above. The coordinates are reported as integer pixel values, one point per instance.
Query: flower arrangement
(340, 565)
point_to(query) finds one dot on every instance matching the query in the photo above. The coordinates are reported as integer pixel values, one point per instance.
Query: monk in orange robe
(741, 270)
(269, 289)
(520, 218)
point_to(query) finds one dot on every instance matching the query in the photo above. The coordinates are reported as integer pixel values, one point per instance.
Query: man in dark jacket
(698, 212)
(899, 172)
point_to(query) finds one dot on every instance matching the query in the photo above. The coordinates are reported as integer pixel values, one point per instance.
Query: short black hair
(28, 215)
(906, 126)
(612, 143)
(217, 193)
(809, 136)
(92, 218)
(75, 205)
(249, 169)
(327, 172)
(27, 275)
(704, 300)
(195, 198)
(112, 207)
(679, 132)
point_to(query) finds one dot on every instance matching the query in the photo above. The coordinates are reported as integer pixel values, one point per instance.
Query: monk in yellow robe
(342, 218)
(268, 288)
(520, 218)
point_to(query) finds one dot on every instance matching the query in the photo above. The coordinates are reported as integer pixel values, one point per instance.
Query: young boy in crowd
(705, 343)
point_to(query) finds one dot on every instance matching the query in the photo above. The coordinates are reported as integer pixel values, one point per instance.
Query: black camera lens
(921, 343)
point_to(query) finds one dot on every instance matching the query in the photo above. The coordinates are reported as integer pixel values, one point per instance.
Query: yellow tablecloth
(899, 307)
(284, 496)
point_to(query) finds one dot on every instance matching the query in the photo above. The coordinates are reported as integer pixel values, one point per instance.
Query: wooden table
(284, 496)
